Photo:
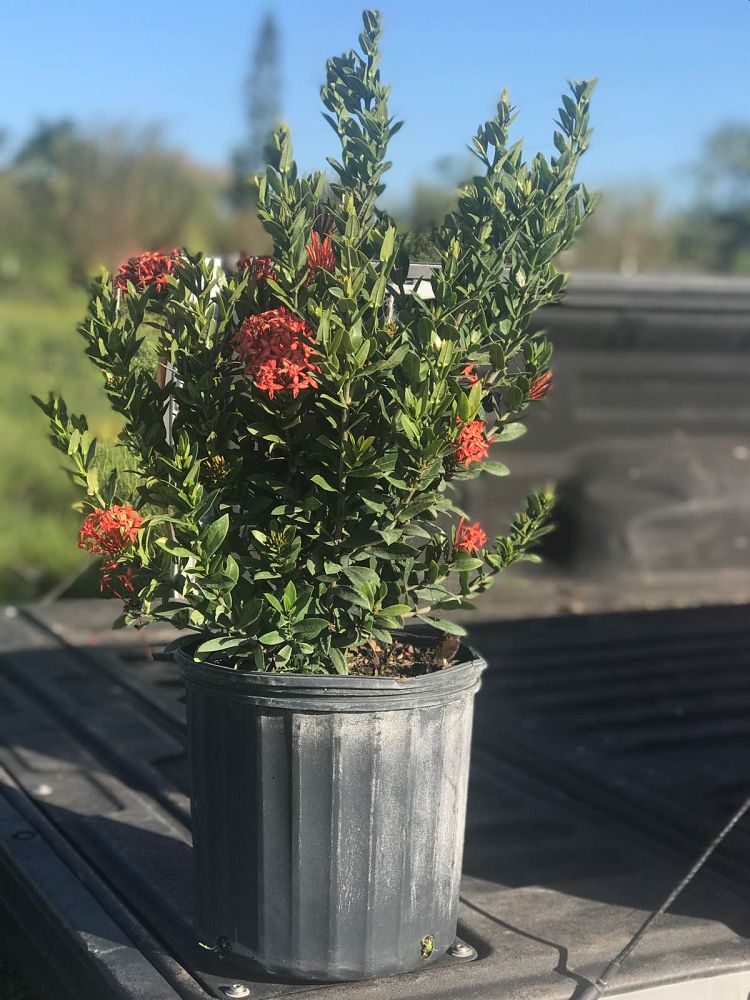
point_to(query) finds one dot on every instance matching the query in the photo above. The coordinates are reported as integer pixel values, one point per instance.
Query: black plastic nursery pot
(328, 815)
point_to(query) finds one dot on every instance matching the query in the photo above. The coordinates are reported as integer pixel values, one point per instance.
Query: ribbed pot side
(328, 815)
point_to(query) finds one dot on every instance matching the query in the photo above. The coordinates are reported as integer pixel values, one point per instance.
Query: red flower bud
(320, 255)
(541, 386)
(260, 267)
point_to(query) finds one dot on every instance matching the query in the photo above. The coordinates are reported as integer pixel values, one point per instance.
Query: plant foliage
(290, 527)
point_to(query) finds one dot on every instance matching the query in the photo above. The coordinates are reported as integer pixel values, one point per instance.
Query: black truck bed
(608, 748)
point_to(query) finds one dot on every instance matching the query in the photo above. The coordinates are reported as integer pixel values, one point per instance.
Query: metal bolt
(236, 990)
(460, 949)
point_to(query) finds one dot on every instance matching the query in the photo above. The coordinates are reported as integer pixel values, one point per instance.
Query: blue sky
(669, 72)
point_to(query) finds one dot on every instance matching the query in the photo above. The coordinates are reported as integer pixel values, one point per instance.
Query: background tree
(629, 234)
(77, 200)
(262, 98)
(716, 232)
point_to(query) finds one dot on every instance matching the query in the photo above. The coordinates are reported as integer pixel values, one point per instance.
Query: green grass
(40, 350)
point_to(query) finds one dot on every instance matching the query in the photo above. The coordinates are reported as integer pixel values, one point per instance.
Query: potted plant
(287, 506)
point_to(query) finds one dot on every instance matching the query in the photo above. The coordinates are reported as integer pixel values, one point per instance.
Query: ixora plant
(293, 431)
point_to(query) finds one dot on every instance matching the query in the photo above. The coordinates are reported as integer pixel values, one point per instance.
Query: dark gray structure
(647, 434)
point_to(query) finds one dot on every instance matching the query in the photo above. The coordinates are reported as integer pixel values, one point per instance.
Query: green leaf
(92, 481)
(464, 406)
(445, 626)
(410, 429)
(353, 597)
(338, 660)
(495, 468)
(216, 533)
(475, 399)
(232, 569)
(175, 550)
(319, 481)
(289, 597)
(497, 357)
(309, 628)
(271, 638)
(385, 364)
(510, 432)
(395, 610)
(220, 644)
(362, 577)
(389, 240)
(274, 602)
(465, 562)
(432, 595)
(513, 398)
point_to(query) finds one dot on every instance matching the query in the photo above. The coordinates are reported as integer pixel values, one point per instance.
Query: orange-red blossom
(276, 350)
(107, 531)
(469, 537)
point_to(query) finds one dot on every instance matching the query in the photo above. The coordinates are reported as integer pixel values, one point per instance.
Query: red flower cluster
(260, 267)
(107, 532)
(118, 580)
(470, 374)
(469, 537)
(541, 386)
(147, 270)
(471, 444)
(320, 255)
(276, 349)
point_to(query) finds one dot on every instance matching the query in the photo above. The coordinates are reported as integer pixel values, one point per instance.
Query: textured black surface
(654, 705)
(606, 748)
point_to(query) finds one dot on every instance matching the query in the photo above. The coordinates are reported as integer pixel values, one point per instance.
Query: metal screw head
(236, 990)
(460, 949)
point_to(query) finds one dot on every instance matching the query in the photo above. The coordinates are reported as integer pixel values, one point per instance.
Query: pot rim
(333, 692)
